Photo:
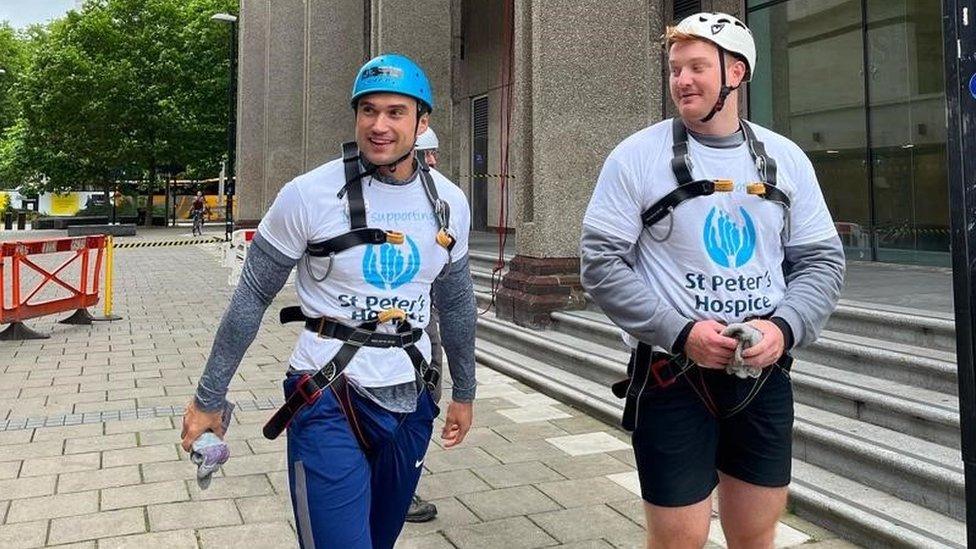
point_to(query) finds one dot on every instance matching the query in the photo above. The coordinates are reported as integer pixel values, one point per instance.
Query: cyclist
(376, 230)
(696, 223)
(197, 210)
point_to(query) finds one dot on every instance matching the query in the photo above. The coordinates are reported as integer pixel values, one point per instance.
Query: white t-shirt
(723, 258)
(367, 279)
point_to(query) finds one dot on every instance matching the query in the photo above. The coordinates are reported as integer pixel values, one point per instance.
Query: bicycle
(197, 222)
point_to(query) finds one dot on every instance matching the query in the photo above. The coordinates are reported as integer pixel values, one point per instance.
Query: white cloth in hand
(748, 336)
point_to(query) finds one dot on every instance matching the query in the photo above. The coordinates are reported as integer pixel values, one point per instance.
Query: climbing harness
(688, 188)
(359, 233)
(649, 369)
(310, 386)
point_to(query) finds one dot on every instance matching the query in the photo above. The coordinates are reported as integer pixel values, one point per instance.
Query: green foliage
(119, 85)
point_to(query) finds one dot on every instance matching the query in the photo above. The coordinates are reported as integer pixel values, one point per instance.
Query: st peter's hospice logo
(388, 267)
(728, 242)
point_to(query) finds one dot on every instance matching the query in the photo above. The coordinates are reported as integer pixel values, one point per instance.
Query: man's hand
(768, 350)
(457, 423)
(196, 422)
(708, 347)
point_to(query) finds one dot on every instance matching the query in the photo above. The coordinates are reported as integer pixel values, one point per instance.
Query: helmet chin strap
(723, 92)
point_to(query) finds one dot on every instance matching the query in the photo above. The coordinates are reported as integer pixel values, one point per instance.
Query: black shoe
(421, 511)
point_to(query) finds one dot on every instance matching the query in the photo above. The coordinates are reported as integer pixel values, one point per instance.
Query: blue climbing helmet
(393, 73)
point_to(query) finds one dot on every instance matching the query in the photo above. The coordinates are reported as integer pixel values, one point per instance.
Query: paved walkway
(89, 432)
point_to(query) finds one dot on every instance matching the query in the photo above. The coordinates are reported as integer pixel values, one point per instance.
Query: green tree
(131, 84)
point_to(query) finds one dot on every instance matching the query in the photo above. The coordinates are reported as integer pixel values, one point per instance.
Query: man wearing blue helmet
(378, 238)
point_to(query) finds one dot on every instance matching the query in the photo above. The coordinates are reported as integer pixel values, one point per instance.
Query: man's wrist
(784, 327)
(679, 342)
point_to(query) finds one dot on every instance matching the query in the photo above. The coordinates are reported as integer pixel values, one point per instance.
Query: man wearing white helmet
(708, 242)
(421, 510)
(428, 144)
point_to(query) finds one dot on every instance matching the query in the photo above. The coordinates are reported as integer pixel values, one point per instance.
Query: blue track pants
(345, 497)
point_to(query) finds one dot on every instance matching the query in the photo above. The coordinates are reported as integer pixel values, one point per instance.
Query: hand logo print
(388, 267)
(727, 243)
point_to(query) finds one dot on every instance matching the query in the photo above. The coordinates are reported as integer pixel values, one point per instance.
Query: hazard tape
(497, 175)
(165, 243)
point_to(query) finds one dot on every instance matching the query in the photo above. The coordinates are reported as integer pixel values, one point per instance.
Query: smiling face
(695, 79)
(387, 126)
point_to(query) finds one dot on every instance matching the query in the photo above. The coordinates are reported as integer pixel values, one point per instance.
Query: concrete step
(593, 398)
(914, 470)
(580, 357)
(911, 365)
(922, 413)
(869, 517)
(897, 324)
(858, 511)
(587, 324)
(486, 260)
(482, 279)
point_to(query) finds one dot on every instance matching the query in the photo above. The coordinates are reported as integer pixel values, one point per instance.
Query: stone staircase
(876, 436)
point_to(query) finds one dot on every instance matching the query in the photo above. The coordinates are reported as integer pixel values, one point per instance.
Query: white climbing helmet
(427, 140)
(726, 32)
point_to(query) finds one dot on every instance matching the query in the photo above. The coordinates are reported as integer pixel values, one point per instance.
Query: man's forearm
(606, 272)
(264, 273)
(453, 295)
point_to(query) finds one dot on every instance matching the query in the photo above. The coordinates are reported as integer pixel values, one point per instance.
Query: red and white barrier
(17, 306)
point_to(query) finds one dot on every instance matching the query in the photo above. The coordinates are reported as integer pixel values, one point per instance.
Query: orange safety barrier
(22, 305)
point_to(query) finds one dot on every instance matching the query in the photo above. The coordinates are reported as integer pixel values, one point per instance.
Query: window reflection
(879, 149)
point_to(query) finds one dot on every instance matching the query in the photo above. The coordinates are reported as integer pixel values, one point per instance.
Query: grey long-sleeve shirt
(265, 272)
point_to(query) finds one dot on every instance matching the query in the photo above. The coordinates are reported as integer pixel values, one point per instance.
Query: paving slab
(516, 532)
(176, 539)
(97, 526)
(58, 505)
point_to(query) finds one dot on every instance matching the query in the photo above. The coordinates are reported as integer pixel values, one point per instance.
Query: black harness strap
(355, 237)
(766, 166)
(680, 159)
(354, 185)
(309, 388)
(670, 201)
(327, 328)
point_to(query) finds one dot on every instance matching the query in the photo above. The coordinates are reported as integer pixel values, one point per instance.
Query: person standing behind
(420, 510)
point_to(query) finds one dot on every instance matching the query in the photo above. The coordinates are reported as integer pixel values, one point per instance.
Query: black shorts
(680, 445)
